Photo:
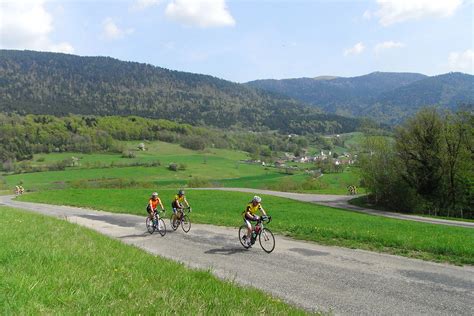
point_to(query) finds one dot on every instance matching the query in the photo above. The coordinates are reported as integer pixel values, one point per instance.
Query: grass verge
(300, 220)
(55, 267)
(361, 201)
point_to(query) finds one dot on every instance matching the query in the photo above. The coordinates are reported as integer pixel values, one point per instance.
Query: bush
(173, 166)
(128, 154)
(182, 166)
(193, 142)
(199, 183)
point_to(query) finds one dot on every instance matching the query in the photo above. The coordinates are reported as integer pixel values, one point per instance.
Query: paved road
(315, 277)
(341, 201)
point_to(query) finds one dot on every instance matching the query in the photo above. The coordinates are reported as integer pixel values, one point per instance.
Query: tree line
(428, 167)
(23, 136)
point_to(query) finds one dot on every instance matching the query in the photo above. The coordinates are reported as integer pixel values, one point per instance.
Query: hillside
(59, 84)
(387, 97)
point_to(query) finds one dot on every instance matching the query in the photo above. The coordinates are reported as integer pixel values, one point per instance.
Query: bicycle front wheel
(161, 227)
(185, 223)
(149, 225)
(266, 240)
(242, 233)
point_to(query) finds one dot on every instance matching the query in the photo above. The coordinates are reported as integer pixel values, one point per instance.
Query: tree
(457, 160)
(419, 147)
(380, 171)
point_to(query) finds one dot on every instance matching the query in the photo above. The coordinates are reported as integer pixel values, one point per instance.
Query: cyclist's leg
(247, 220)
(150, 212)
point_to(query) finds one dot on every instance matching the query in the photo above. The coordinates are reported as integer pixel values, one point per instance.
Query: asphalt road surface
(342, 281)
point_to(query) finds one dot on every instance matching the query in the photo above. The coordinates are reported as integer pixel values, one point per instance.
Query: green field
(300, 220)
(213, 167)
(60, 268)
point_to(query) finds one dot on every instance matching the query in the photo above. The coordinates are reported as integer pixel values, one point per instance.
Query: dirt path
(315, 277)
(341, 201)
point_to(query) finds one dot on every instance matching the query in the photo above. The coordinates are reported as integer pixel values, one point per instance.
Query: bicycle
(157, 224)
(265, 236)
(181, 219)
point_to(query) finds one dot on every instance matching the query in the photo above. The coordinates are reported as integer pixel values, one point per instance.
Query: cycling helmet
(154, 194)
(180, 192)
(257, 199)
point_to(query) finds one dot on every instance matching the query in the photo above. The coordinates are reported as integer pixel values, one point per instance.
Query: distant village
(326, 157)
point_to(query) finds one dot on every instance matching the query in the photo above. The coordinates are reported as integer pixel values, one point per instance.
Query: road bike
(264, 235)
(156, 225)
(182, 219)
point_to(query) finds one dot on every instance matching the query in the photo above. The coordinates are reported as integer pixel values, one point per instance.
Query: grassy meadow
(62, 268)
(211, 167)
(300, 220)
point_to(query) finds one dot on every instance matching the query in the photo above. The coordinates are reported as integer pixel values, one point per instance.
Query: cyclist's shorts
(148, 208)
(174, 208)
(248, 219)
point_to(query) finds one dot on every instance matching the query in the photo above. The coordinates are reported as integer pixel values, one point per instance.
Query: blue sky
(244, 40)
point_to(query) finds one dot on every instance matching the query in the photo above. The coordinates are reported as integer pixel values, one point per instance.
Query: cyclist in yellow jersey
(249, 215)
(178, 203)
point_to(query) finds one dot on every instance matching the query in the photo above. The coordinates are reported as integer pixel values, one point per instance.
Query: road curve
(342, 281)
(341, 201)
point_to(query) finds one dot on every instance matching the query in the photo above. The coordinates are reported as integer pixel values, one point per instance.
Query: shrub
(193, 142)
(198, 182)
(128, 154)
(173, 166)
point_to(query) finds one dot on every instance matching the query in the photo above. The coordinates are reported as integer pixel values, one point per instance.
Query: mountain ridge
(60, 84)
(380, 95)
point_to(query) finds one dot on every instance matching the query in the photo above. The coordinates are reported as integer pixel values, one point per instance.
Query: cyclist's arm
(263, 211)
(161, 205)
(186, 201)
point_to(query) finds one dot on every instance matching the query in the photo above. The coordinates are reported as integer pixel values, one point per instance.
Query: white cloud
(462, 61)
(112, 32)
(27, 25)
(143, 4)
(202, 13)
(387, 45)
(355, 50)
(394, 11)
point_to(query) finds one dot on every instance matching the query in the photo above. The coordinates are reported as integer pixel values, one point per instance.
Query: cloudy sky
(242, 40)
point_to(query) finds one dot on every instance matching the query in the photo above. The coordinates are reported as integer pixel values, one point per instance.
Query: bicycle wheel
(149, 225)
(161, 227)
(185, 223)
(242, 233)
(174, 223)
(266, 240)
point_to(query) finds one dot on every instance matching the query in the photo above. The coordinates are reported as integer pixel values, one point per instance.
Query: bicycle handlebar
(267, 219)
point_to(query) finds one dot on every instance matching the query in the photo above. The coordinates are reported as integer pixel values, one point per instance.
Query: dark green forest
(385, 97)
(60, 84)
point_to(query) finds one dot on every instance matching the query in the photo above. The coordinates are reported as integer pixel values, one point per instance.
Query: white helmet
(154, 194)
(257, 199)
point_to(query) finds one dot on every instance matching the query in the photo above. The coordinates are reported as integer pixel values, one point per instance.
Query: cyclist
(152, 205)
(250, 215)
(177, 204)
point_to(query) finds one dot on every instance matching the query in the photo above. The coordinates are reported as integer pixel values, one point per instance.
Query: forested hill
(387, 97)
(59, 84)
